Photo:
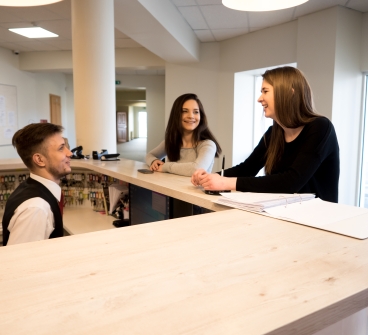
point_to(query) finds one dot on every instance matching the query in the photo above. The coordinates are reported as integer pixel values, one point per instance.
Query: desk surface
(175, 186)
(172, 185)
(230, 272)
(83, 219)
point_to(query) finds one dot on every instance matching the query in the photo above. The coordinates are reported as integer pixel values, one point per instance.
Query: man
(32, 211)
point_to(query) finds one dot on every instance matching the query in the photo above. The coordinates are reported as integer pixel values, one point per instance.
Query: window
(142, 124)
(260, 122)
(249, 123)
(363, 194)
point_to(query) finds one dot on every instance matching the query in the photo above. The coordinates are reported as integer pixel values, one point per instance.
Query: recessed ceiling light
(26, 3)
(33, 32)
(261, 5)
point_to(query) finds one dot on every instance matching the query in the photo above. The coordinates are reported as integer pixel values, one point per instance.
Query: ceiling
(208, 20)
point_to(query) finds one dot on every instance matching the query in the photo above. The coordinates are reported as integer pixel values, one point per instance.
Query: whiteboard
(8, 113)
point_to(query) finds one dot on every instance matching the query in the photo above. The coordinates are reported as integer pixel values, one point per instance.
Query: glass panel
(364, 169)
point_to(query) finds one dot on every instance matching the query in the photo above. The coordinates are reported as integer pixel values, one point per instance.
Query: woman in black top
(299, 152)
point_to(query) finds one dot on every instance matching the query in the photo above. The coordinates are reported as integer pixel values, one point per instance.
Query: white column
(94, 74)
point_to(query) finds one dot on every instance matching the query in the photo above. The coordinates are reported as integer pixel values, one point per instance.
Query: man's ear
(39, 160)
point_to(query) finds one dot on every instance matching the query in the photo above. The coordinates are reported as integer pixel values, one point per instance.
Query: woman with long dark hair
(189, 144)
(300, 152)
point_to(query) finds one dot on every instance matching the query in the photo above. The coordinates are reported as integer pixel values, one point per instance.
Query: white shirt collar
(49, 184)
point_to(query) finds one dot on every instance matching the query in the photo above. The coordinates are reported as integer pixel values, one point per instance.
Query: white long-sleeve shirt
(33, 220)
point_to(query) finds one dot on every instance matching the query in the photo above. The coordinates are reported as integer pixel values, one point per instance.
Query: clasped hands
(156, 165)
(212, 181)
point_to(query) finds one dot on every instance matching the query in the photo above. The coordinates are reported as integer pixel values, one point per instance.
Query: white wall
(261, 49)
(33, 90)
(329, 53)
(200, 78)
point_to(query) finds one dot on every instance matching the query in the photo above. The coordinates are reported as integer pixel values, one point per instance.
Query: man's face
(57, 157)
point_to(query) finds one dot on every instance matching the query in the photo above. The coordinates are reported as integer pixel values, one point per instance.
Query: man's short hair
(29, 140)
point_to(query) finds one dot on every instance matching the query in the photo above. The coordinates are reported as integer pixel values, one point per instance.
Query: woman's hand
(212, 181)
(156, 165)
(197, 175)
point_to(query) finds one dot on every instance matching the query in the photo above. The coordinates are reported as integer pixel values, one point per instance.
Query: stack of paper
(338, 218)
(258, 202)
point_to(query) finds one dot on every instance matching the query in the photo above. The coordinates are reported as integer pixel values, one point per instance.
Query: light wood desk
(81, 219)
(175, 186)
(229, 272)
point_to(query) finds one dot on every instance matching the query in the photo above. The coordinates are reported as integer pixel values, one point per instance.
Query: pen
(223, 166)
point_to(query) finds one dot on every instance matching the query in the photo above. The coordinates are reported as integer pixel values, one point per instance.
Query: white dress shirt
(33, 220)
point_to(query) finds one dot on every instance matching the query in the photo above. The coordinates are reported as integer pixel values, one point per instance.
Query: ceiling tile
(33, 14)
(121, 43)
(205, 35)
(60, 44)
(360, 5)
(184, 2)
(9, 25)
(315, 6)
(209, 2)
(9, 36)
(6, 16)
(62, 8)
(62, 27)
(194, 17)
(223, 34)
(39, 45)
(220, 17)
(13, 46)
(259, 20)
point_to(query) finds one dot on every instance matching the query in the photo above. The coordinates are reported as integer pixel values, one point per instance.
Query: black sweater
(309, 164)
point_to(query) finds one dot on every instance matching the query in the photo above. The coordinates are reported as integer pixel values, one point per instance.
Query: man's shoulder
(33, 203)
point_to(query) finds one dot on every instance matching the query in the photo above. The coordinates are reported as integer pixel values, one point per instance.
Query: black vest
(31, 188)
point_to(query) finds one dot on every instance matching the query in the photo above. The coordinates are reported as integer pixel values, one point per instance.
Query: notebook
(309, 211)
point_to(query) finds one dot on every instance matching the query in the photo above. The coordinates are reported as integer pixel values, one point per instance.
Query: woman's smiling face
(190, 115)
(267, 100)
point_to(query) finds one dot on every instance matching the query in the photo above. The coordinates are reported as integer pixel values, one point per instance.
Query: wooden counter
(230, 272)
(172, 185)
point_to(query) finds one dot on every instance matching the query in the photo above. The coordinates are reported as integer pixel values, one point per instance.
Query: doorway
(55, 109)
(133, 124)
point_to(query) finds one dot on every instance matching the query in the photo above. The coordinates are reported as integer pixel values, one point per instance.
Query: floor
(134, 149)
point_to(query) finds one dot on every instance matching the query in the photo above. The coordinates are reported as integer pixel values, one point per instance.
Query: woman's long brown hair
(293, 105)
(174, 129)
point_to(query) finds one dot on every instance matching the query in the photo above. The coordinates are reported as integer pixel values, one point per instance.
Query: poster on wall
(8, 113)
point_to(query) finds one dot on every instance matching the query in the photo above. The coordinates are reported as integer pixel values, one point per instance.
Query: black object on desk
(145, 171)
(77, 153)
(97, 156)
(110, 157)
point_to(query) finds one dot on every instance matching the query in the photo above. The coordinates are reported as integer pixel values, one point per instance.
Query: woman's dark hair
(293, 105)
(174, 129)
(30, 140)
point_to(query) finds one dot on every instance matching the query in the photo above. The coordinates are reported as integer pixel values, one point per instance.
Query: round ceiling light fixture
(261, 5)
(26, 3)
